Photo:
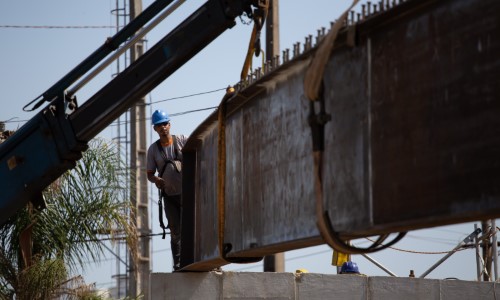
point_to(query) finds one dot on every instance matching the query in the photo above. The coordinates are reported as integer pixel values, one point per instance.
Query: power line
(159, 101)
(433, 239)
(171, 115)
(105, 284)
(106, 259)
(186, 96)
(139, 120)
(193, 111)
(57, 26)
(161, 250)
(122, 237)
(418, 252)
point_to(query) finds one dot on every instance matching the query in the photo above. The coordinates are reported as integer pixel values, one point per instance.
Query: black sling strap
(160, 194)
(164, 155)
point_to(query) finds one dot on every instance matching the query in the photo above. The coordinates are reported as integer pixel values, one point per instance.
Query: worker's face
(163, 129)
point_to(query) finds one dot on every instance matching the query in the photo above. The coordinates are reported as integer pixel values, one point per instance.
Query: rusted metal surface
(428, 116)
(200, 237)
(435, 119)
(413, 141)
(269, 170)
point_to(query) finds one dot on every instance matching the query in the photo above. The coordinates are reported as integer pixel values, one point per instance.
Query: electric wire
(170, 115)
(58, 26)
(121, 238)
(329, 250)
(105, 284)
(418, 252)
(161, 250)
(148, 104)
(287, 259)
(434, 239)
(186, 96)
(325, 251)
(106, 259)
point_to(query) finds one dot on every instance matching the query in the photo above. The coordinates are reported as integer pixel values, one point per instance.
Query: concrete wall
(246, 285)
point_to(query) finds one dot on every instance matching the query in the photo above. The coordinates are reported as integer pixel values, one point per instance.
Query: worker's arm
(158, 181)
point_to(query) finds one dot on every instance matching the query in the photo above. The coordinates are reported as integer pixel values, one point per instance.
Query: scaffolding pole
(379, 265)
(468, 239)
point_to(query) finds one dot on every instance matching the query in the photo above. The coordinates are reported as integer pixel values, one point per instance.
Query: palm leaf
(81, 205)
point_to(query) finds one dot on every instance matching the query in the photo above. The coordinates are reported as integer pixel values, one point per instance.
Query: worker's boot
(176, 254)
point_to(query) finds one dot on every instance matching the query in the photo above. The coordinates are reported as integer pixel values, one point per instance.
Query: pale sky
(33, 59)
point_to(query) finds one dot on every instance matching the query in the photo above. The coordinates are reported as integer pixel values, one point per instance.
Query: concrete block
(311, 286)
(258, 286)
(465, 290)
(203, 286)
(322, 286)
(388, 288)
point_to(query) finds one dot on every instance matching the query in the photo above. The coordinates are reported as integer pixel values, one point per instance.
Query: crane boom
(59, 136)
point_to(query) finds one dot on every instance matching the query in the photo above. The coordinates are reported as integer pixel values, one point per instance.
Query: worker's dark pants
(173, 213)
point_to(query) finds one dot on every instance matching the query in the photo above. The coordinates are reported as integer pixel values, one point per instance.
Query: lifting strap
(314, 74)
(160, 194)
(221, 167)
(225, 248)
(259, 17)
(313, 81)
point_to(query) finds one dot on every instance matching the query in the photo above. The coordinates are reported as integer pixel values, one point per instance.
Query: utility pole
(272, 31)
(487, 254)
(276, 262)
(494, 249)
(489, 247)
(139, 278)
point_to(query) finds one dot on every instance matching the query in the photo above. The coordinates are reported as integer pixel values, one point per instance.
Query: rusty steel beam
(413, 141)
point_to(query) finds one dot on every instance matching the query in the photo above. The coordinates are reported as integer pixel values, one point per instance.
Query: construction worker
(164, 169)
(350, 267)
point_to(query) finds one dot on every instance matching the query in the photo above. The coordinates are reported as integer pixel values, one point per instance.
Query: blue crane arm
(52, 141)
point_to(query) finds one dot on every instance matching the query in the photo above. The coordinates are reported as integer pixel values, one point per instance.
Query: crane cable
(314, 74)
(259, 17)
(313, 81)
(221, 169)
(224, 247)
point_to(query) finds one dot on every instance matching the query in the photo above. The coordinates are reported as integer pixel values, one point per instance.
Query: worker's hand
(160, 183)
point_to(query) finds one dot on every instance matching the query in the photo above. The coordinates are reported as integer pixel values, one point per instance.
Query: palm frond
(79, 210)
(41, 280)
(81, 205)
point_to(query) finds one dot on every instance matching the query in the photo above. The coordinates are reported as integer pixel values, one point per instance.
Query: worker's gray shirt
(155, 163)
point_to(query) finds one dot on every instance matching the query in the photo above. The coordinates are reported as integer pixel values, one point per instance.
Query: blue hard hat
(349, 267)
(159, 116)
